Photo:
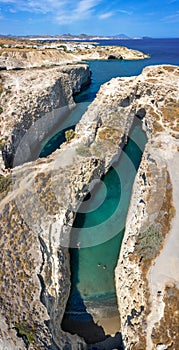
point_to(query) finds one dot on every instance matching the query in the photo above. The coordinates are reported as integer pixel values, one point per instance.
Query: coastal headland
(16, 54)
(39, 200)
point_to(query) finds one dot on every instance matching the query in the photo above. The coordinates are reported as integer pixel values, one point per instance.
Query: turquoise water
(101, 231)
(69, 123)
(161, 51)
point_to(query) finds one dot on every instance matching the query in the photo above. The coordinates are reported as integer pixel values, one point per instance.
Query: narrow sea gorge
(98, 229)
(88, 215)
(101, 220)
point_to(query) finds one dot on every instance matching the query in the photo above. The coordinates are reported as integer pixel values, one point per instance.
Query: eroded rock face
(36, 219)
(145, 271)
(28, 58)
(29, 95)
(38, 211)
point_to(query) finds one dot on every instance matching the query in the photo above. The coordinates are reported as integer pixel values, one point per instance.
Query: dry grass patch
(167, 331)
(171, 115)
(149, 243)
(109, 134)
(157, 126)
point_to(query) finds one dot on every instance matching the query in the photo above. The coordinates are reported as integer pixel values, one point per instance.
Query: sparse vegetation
(2, 143)
(171, 115)
(166, 330)
(157, 126)
(83, 151)
(5, 182)
(25, 330)
(109, 134)
(69, 135)
(148, 242)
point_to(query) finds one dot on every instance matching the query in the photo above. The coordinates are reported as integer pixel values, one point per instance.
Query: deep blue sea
(93, 268)
(162, 51)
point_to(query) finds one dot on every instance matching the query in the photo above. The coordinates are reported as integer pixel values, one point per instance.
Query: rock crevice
(45, 195)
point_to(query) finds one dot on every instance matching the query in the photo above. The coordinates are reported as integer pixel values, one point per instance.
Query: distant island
(83, 37)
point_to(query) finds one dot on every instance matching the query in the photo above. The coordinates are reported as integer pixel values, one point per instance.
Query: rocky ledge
(147, 277)
(38, 208)
(37, 211)
(29, 95)
(13, 58)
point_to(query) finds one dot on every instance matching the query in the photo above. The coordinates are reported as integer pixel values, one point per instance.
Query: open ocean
(162, 51)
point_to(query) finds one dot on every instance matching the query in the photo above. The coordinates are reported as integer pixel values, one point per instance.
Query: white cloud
(40, 6)
(172, 1)
(63, 11)
(84, 9)
(11, 10)
(86, 5)
(106, 15)
(172, 18)
(129, 13)
(8, 1)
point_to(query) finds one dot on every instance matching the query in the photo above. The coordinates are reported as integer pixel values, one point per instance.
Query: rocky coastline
(39, 204)
(26, 54)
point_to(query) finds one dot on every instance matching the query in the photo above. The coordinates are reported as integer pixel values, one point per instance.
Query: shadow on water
(91, 284)
(55, 142)
(77, 319)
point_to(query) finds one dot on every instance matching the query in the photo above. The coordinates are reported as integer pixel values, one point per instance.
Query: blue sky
(156, 18)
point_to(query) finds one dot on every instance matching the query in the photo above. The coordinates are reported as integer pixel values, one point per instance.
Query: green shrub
(1, 109)
(27, 331)
(2, 143)
(83, 151)
(69, 135)
(63, 47)
(149, 242)
(5, 182)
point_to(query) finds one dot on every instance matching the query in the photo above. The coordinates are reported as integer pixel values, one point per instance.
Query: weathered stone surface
(36, 219)
(141, 274)
(29, 95)
(14, 58)
(39, 209)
